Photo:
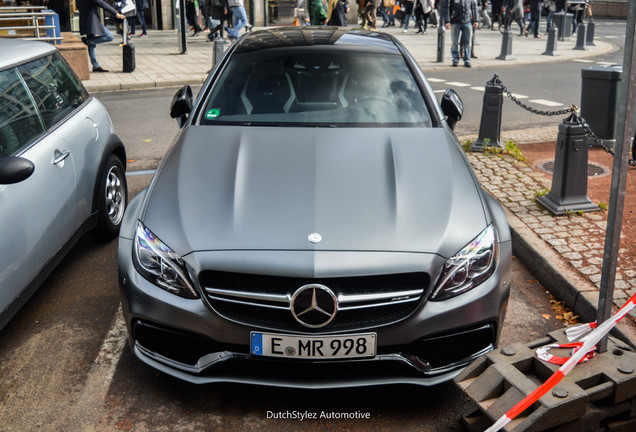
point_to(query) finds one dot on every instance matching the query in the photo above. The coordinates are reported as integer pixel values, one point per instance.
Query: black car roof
(316, 36)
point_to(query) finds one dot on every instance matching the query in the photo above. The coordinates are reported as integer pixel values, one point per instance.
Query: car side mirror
(15, 169)
(181, 104)
(452, 107)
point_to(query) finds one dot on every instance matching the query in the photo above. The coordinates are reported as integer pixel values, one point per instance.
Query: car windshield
(316, 88)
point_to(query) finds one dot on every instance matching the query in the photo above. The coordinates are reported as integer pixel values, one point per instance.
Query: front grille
(265, 301)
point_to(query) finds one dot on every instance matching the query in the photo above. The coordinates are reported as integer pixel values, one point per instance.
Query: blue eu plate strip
(257, 344)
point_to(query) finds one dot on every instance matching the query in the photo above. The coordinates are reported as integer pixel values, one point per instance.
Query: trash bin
(563, 22)
(599, 99)
(52, 20)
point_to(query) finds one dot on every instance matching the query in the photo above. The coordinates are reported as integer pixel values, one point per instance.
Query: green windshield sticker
(213, 113)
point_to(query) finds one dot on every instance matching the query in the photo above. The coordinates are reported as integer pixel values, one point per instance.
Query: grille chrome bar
(280, 298)
(343, 298)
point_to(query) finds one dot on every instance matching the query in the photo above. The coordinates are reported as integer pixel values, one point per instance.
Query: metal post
(441, 34)
(563, 22)
(625, 129)
(506, 46)
(580, 36)
(589, 38)
(182, 26)
(219, 47)
(491, 114)
(551, 46)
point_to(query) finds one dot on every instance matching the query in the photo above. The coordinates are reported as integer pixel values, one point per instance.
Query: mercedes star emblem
(314, 238)
(314, 305)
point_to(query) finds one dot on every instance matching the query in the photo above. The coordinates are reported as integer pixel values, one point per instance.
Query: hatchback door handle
(60, 156)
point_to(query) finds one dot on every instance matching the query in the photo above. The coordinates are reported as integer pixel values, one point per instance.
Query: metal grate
(593, 169)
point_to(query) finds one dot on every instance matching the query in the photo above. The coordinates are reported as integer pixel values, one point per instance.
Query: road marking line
(436, 80)
(88, 409)
(478, 88)
(519, 96)
(458, 84)
(583, 60)
(546, 102)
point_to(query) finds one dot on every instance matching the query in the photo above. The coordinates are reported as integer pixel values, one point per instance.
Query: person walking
(408, 11)
(460, 16)
(513, 11)
(535, 16)
(317, 12)
(370, 12)
(92, 29)
(239, 18)
(483, 12)
(336, 15)
(142, 5)
(216, 10)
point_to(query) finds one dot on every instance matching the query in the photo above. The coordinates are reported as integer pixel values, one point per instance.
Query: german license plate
(313, 347)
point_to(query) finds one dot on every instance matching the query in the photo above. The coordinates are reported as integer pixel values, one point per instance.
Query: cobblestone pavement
(578, 239)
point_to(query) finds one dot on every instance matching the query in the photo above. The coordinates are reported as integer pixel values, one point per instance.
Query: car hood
(361, 189)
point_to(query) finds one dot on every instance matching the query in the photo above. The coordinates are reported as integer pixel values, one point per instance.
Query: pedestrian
(92, 29)
(460, 16)
(389, 6)
(370, 12)
(317, 12)
(142, 5)
(550, 5)
(191, 17)
(239, 18)
(496, 14)
(423, 9)
(535, 17)
(216, 10)
(408, 11)
(336, 15)
(513, 11)
(485, 18)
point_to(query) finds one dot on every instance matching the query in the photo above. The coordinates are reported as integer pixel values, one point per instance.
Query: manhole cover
(593, 169)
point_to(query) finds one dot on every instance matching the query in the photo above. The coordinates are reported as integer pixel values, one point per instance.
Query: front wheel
(113, 195)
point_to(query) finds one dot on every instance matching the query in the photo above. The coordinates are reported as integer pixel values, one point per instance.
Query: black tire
(112, 196)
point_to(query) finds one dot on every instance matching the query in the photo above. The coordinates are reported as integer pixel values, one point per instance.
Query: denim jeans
(239, 20)
(466, 33)
(91, 41)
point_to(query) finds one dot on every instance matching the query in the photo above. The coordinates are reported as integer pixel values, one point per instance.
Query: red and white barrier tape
(543, 353)
(589, 343)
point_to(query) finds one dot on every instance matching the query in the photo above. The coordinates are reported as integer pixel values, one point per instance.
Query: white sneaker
(406, 31)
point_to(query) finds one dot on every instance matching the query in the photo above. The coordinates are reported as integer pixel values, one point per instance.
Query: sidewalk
(564, 252)
(159, 64)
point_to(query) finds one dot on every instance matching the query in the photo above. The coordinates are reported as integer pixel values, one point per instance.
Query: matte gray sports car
(314, 224)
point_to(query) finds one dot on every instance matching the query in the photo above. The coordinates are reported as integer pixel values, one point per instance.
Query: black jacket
(89, 20)
(460, 11)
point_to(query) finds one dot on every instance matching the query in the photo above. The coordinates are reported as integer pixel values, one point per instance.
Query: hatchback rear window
(316, 88)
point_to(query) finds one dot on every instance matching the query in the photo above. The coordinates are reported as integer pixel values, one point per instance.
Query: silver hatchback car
(314, 224)
(62, 168)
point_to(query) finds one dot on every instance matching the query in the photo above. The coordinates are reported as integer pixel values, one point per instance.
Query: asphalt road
(64, 364)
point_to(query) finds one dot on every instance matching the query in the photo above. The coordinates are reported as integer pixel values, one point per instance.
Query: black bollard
(580, 37)
(218, 51)
(551, 46)
(589, 37)
(491, 113)
(569, 180)
(506, 46)
(441, 35)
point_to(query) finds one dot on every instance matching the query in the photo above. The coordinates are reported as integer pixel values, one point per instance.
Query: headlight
(161, 265)
(469, 267)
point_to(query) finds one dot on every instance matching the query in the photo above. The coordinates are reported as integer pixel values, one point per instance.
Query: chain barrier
(573, 110)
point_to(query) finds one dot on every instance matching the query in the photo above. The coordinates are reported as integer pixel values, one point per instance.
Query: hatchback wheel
(113, 192)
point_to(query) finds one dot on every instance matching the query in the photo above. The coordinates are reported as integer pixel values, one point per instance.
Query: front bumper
(188, 340)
